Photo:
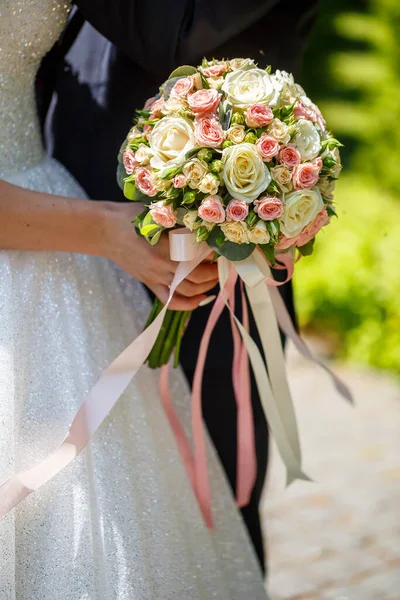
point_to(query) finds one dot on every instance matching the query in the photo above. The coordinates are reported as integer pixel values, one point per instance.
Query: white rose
(335, 170)
(301, 207)
(283, 177)
(307, 139)
(240, 63)
(209, 185)
(143, 155)
(134, 133)
(161, 184)
(190, 220)
(236, 232)
(245, 174)
(215, 83)
(236, 134)
(326, 187)
(244, 87)
(279, 131)
(170, 140)
(284, 84)
(194, 171)
(259, 234)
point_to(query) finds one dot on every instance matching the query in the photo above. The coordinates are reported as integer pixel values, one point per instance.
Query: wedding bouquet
(239, 156)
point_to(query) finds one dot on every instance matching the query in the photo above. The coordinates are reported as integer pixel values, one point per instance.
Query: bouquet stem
(169, 337)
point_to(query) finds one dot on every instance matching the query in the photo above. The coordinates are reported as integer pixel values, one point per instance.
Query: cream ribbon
(273, 389)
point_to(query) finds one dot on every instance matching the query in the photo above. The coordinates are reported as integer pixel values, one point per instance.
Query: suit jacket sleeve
(159, 35)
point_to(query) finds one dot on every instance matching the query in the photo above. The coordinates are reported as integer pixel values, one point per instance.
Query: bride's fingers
(180, 302)
(204, 272)
(190, 289)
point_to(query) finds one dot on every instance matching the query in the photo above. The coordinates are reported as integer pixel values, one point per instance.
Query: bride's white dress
(121, 522)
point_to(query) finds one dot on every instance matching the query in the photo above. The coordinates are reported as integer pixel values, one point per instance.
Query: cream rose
(258, 234)
(244, 172)
(280, 131)
(236, 134)
(190, 220)
(282, 175)
(335, 170)
(170, 140)
(194, 171)
(143, 155)
(307, 139)
(236, 232)
(216, 83)
(326, 187)
(301, 207)
(245, 87)
(209, 184)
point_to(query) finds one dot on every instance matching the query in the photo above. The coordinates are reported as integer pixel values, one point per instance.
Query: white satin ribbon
(279, 413)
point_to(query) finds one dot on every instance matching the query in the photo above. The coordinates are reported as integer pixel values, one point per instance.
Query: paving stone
(338, 539)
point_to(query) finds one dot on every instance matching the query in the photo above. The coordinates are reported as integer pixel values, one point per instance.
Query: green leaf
(269, 253)
(308, 249)
(273, 230)
(183, 71)
(204, 82)
(155, 239)
(231, 251)
(220, 240)
(121, 175)
(251, 219)
(131, 192)
(148, 229)
(148, 220)
(273, 188)
(225, 114)
(331, 210)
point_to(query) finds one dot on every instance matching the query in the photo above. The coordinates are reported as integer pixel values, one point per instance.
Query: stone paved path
(338, 539)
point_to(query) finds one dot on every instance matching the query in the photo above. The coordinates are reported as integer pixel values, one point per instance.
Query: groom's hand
(151, 264)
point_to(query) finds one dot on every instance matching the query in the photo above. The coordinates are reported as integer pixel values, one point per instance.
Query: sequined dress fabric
(121, 522)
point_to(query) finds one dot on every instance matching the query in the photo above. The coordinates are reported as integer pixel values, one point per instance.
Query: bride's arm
(43, 222)
(33, 221)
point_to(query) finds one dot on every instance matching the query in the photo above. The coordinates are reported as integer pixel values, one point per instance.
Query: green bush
(349, 291)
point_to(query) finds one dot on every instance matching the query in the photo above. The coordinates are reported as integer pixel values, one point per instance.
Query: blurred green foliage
(349, 290)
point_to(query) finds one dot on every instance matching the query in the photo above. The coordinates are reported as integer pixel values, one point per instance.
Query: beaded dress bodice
(28, 29)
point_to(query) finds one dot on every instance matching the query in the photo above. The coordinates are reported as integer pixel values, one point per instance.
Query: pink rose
(289, 156)
(258, 115)
(182, 87)
(179, 181)
(147, 129)
(214, 71)
(312, 229)
(285, 242)
(129, 161)
(212, 210)
(311, 112)
(156, 108)
(204, 101)
(318, 163)
(305, 176)
(237, 210)
(163, 214)
(149, 102)
(268, 147)
(269, 208)
(208, 132)
(144, 182)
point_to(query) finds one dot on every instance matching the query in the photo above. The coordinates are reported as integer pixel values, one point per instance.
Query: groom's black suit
(97, 89)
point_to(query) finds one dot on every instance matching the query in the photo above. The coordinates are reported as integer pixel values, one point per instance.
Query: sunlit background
(339, 538)
(350, 290)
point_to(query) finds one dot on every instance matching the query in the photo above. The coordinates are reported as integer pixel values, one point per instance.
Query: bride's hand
(151, 264)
